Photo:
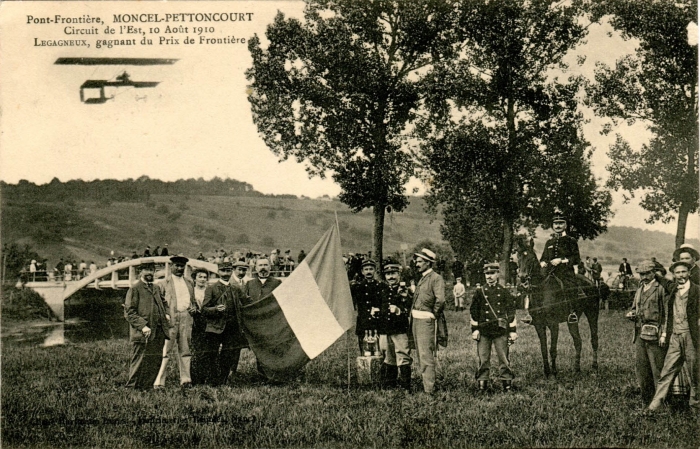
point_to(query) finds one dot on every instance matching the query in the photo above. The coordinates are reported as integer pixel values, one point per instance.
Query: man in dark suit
(262, 285)
(367, 299)
(625, 268)
(146, 312)
(680, 332)
(560, 256)
(223, 337)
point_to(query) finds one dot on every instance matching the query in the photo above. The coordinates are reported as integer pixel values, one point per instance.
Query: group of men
(405, 320)
(667, 324)
(193, 320)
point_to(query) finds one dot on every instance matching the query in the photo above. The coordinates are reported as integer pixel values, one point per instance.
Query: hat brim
(674, 265)
(693, 252)
(423, 256)
(179, 259)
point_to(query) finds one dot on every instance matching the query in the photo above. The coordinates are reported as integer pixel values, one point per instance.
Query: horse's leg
(576, 335)
(542, 335)
(592, 316)
(554, 330)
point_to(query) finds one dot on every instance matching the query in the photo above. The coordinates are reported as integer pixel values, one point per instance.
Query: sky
(197, 121)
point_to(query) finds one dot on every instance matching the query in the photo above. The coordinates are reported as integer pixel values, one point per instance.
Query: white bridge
(116, 277)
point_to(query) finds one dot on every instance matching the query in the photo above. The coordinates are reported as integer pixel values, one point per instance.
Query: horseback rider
(560, 256)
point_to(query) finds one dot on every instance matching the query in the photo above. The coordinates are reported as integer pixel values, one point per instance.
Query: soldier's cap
(147, 264)
(558, 216)
(646, 266)
(240, 263)
(425, 254)
(392, 268)
(686, 248)
(369, 262)
(226, 266)
(674, 265)
(491, 268)
(179, 259)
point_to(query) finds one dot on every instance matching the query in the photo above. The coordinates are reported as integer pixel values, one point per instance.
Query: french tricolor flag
(305, 315)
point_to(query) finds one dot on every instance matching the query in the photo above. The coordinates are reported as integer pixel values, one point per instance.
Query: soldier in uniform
(493, 324)
(367, 299)
(559, 258)
(393, 329)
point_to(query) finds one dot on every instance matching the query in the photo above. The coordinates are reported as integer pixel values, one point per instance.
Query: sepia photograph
(349, 223)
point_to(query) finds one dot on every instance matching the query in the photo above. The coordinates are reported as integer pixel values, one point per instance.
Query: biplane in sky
(92, 91)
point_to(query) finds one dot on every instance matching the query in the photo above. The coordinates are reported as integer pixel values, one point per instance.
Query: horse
(547, 309)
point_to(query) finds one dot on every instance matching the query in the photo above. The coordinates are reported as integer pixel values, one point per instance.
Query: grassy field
(73, 396)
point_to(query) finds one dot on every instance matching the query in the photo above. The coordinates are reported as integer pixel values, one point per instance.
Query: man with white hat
(428, 303)
(680, 332)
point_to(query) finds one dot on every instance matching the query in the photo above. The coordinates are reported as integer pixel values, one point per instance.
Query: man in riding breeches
(560, 256)
(493, 324)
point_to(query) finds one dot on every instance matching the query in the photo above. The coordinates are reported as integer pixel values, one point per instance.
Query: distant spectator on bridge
(146, 312)
(68, 270)
(156, 251)
(201, 256)
(82, 269)
(32, 270)
(301, 256)
(134, 255)
(178, 292)
(93, 267)
(686, 253)
(147, 252)
(59, 269)
(164, 251)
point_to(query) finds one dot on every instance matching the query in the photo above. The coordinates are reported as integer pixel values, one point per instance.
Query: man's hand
(662, 340)
(513, 336)
(543, 264)
(394, 309)
(373, 310)
(146, 331)
(220, 307)
(192, 310)
(476, 335)
(556, 261)
(167, 317)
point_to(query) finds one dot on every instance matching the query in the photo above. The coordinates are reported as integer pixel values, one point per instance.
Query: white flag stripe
(306, 311)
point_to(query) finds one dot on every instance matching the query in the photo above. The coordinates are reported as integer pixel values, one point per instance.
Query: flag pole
(347, 342)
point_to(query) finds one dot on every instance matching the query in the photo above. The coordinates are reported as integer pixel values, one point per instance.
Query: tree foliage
(338, 90)
(657, 85)
(508, 146)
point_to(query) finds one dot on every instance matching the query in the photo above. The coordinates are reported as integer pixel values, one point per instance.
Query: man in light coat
(428, 303)
(178, 292)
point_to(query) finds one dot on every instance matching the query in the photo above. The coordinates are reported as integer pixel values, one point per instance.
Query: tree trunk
(506, 250)
(378, 235)
(682, 222)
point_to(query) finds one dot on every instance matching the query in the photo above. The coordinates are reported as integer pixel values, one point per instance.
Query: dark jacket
(366, 294)
(392, 323)
(221, 294)
(502, 303)
(625, 268)
(650, 308)
(144, 306)
(564, 247)
(255, 290)
(691, 308)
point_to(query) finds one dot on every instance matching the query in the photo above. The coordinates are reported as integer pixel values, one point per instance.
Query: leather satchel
(650, 332)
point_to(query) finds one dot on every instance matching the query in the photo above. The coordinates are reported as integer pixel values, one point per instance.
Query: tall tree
(338, 90)
(658, 86)
(508, 141)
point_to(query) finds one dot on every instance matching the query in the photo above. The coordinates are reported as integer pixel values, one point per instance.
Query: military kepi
(179, 259)
(491, 268)
(369, 263)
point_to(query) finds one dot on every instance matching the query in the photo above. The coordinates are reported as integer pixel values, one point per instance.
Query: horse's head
(528, 263)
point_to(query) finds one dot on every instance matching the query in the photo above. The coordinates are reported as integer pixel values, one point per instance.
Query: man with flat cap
(367, 299)
(680, 332)
(393, 329)
(240, 269)
(147, 314)
(223, 336)
(686, 253)
(428, 303)
(493, 324)
(560, 256)
(178, 292)
(649, 315)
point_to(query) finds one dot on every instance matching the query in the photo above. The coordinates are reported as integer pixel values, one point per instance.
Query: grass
(73, 396)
